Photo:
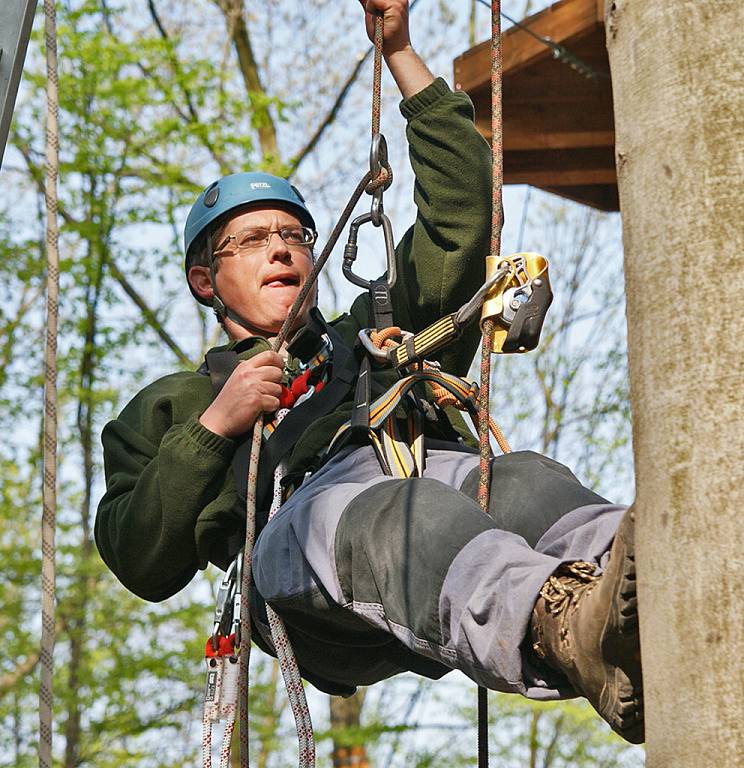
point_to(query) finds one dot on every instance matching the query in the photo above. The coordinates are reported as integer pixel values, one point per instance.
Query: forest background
(157, 100)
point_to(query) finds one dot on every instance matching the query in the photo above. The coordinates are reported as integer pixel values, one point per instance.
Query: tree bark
(348, 746)
(676, 73)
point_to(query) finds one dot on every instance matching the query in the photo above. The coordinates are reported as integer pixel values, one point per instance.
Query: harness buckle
(518, 301)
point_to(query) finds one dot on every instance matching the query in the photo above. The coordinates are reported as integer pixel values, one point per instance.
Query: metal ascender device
(517, 301)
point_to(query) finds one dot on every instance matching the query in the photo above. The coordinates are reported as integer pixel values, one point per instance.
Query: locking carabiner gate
(350, 251)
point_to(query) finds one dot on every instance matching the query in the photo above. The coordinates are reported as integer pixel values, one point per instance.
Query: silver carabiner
(225, 595)
(350, 251)
(237, 599)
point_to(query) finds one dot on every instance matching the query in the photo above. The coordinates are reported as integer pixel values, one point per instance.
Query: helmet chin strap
(222, 312)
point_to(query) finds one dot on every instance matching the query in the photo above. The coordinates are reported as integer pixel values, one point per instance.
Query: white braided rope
(285, 654)
(223, 705)
(229, 707)
(206, 741)
(48, 521)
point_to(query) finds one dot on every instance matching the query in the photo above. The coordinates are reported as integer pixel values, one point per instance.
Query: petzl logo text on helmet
(260, 185)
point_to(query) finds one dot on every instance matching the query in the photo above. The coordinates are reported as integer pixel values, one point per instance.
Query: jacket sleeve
(162, 469)
(441, 258)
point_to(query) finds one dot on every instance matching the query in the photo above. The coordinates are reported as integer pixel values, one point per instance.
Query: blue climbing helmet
(236, 191)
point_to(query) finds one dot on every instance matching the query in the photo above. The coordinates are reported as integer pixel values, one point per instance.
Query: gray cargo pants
(375, 575)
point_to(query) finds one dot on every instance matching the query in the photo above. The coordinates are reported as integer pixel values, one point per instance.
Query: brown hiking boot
(586, 626)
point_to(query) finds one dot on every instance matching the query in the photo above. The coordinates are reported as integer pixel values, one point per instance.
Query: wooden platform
(559, 130)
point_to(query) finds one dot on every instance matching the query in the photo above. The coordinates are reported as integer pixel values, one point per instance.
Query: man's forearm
(409, 71)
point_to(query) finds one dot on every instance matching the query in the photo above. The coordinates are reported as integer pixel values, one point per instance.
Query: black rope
(482, 727)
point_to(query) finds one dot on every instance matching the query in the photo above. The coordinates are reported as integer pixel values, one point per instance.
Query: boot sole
(622, 697)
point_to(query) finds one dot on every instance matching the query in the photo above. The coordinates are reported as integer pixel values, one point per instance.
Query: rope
(287, 662)
(48, 522)
(489, 325)
(251, 501)
(482, 726)
(377, 80)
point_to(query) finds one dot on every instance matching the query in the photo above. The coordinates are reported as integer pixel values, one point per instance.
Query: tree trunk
(348, 746)
(676, 73)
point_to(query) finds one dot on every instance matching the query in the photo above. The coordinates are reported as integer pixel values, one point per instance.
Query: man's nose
(276, 248)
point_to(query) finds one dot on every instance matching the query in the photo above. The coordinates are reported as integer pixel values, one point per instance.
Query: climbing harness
(512, 304)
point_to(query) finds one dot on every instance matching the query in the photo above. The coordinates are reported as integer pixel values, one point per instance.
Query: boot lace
(562, 593)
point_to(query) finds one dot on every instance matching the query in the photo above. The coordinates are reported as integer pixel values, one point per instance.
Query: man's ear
(200, 281)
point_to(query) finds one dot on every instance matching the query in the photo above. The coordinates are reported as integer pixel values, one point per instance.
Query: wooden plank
(591, 157)
(553, 83)
(561, 177)
(577, 118)
(603, 197)
(561, 22)
(515, 138)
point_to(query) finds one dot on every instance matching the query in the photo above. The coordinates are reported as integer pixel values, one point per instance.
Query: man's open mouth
(282, 281)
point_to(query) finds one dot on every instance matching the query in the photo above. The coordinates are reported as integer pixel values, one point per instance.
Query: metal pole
(16, 18)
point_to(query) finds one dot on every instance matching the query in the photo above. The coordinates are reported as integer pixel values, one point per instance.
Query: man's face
(261, 283)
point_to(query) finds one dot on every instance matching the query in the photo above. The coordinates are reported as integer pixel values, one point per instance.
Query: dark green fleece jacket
(171, 501)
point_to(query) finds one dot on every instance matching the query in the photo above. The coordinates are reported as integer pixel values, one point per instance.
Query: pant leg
(417, 561)
(529, 493)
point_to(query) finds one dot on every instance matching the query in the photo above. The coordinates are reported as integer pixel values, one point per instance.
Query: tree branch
(220, 160)
(9, 680)
(238, 32)
(294, 163)
(331, 115)
(148, 314)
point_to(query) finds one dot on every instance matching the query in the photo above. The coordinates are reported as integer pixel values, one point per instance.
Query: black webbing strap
(380, 316)
(218, 365)
(362, 397)
(381, 307)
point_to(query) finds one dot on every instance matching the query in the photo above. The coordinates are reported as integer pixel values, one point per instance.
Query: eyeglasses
(258, 237)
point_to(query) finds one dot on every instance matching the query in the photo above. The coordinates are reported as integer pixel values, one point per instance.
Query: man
(372, 575)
